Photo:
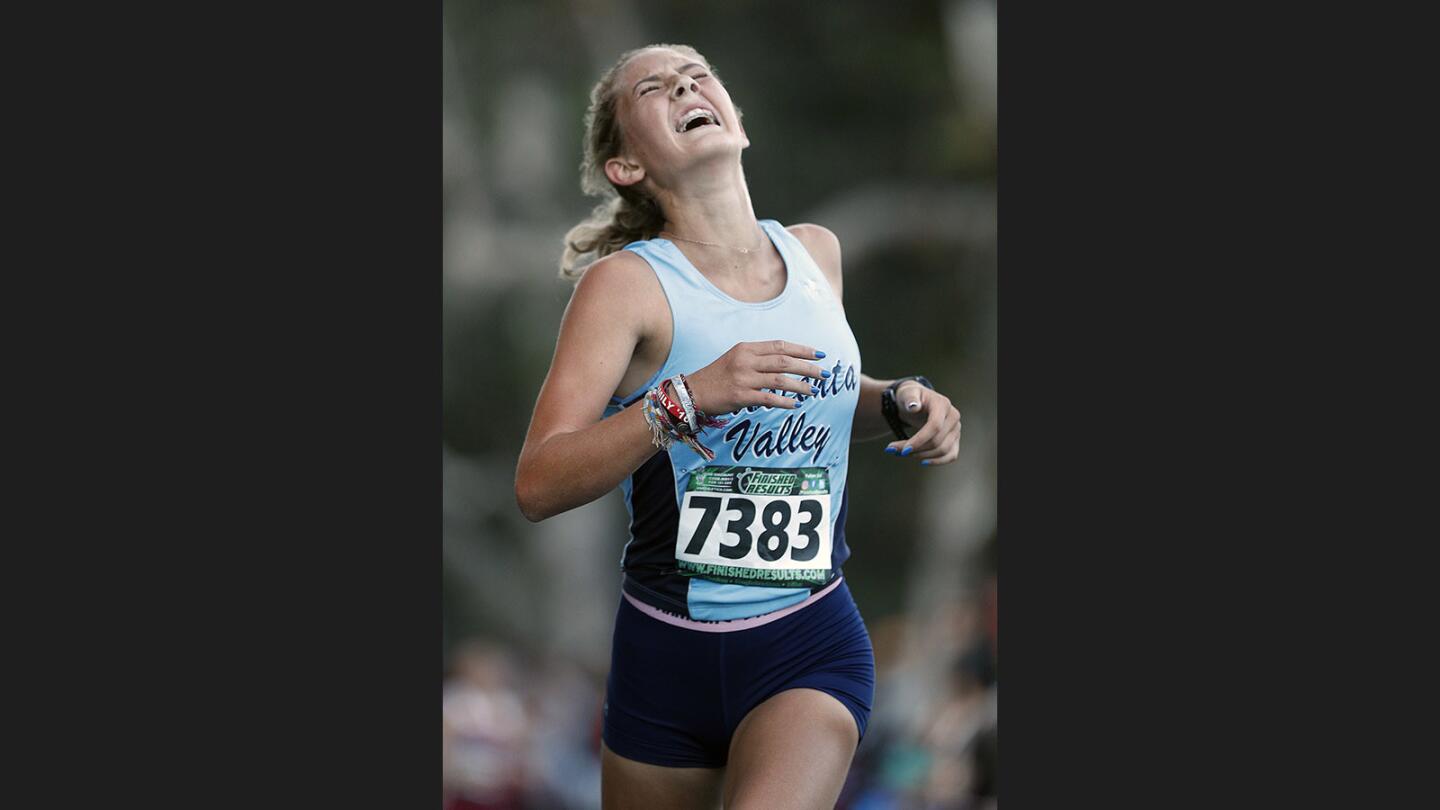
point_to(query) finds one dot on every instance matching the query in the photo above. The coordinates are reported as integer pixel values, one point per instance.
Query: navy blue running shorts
(675, 694)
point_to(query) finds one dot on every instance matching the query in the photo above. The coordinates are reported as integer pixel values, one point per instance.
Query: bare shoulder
(616, 306)
(621, 285)
(824, 248)
(822, 243)
(620, 274)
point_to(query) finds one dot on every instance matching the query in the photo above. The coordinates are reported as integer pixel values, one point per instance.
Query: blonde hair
(626, 213)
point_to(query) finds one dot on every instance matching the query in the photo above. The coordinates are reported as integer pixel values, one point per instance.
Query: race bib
(756, 526)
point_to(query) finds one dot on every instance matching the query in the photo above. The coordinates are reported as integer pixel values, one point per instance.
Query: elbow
(526, 497)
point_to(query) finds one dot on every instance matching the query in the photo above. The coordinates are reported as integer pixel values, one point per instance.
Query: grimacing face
(674, 113)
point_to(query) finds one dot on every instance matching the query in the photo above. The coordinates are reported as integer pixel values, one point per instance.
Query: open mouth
(696, 118)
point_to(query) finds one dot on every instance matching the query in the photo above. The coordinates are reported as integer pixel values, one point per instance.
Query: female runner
(704, 366)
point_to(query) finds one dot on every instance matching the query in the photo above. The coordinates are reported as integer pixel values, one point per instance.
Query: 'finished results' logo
(757, 482)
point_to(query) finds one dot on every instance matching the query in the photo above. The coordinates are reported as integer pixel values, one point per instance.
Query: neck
(714, 207)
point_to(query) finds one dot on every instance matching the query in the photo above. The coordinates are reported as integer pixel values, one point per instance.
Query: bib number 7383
(765, 526)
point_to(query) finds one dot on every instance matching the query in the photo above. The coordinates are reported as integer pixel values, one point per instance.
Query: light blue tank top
(778, 474)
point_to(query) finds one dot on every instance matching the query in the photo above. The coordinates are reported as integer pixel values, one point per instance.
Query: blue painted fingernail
(892, 451)
(907, 451)
(819, 353)
(814, 390)
(925, 463)
(824, 373)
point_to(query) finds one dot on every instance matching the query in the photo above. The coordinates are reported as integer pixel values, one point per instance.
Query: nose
(684, 85)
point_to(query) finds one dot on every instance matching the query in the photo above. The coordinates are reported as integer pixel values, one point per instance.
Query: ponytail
(626, 217)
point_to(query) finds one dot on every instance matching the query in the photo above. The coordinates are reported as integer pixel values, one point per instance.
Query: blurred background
(876, 120)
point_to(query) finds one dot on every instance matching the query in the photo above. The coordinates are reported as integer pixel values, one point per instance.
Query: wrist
(672, 414)
(890, 409)
(703, 398)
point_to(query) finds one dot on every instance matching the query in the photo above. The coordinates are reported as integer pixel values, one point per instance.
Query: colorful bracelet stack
(673, 414)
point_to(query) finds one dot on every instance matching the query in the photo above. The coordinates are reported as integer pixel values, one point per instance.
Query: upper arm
(604, 321)
(824, 248)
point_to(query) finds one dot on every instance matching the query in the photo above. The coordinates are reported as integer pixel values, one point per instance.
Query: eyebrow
(656, 77)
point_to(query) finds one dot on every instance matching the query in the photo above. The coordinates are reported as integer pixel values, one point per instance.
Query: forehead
(654, 60)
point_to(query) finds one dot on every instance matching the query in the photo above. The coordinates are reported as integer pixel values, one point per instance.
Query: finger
(784, 382)
(771, 399)
(948, 434)
(786, 347)
(935, 409)
(910, 395)
(783, 362)
(950, 456)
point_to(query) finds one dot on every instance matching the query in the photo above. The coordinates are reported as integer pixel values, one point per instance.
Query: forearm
(869, 422)
(572, 469)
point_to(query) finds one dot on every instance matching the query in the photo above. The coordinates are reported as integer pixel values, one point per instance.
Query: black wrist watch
(891, 410)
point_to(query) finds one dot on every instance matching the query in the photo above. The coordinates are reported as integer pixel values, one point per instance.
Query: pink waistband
(732, 624)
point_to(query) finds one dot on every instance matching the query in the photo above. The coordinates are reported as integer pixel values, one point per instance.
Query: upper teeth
(698, 112)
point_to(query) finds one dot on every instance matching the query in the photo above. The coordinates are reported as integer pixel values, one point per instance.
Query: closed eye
(697, 77)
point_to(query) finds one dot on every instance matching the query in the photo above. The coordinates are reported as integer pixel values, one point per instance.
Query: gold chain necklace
(713, 244)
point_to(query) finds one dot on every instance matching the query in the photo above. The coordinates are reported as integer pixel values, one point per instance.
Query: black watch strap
(891, 410)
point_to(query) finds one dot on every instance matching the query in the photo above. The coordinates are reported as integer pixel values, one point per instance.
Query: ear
(623, 172)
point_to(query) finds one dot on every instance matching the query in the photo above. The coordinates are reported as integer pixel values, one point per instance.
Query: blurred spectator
(564, 754)
(513, 742)
(944, 757)
(485, 731)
